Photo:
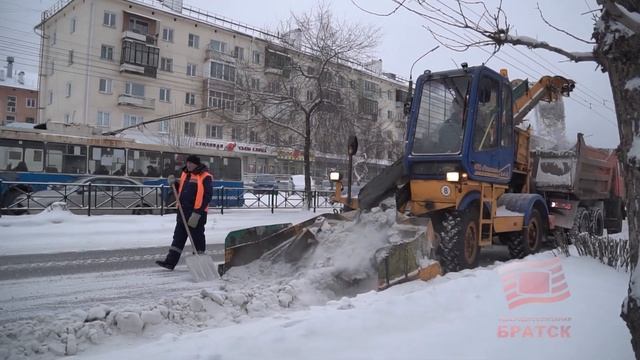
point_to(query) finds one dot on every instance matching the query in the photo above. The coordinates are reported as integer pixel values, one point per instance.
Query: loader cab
(461, 122)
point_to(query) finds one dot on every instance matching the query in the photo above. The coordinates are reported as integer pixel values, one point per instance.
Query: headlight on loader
(453, 176)
(334, 176)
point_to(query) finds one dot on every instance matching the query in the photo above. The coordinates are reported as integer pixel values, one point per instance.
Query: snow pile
(340, 265)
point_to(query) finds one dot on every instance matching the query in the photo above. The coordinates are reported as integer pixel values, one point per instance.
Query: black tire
(581, 223)
(529, 240)
(142, 210)
(8, 199)
(458, 248)
(597, 222)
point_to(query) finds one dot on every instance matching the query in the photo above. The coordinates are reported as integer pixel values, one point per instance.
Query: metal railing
(18, 198)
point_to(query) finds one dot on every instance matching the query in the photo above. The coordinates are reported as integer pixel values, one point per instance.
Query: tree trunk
(618, 55)
(307, 160)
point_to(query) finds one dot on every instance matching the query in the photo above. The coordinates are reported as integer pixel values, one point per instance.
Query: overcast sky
(589, 110)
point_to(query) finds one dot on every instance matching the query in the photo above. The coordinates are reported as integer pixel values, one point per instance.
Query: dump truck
(463, 183)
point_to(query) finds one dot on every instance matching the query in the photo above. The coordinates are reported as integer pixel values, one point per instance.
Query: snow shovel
(202, 266)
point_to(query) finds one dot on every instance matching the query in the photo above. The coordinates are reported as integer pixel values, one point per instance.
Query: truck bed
(585, 172)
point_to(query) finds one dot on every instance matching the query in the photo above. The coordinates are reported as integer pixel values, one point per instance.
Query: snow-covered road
(272, 311)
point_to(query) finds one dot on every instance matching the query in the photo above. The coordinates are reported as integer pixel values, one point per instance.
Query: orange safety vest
(199, 180)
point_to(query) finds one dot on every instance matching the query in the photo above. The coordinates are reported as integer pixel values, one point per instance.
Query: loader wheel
(529, 240)
(597, 222)
(458, 249)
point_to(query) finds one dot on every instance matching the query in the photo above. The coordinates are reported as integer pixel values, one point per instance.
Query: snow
(60, 231)
(503, 211)
(318, 308)
(634, 16)
(30, 80)
(633, 84)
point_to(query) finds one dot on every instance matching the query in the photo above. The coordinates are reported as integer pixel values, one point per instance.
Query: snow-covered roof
(28, 80)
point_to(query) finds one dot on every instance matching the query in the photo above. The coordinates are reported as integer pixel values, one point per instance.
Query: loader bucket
(409, 259)
(246, 245)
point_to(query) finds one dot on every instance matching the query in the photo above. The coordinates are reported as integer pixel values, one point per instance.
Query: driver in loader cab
(450, 133)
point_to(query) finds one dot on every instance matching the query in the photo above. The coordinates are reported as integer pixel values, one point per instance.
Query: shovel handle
(184, 220)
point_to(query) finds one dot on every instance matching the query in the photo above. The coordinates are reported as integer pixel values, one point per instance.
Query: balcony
(138, 57)
(218, 84)
(211, 54)
(147, 39)
(135, 101)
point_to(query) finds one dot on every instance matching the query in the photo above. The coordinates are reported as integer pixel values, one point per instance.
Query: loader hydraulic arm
(548, 88)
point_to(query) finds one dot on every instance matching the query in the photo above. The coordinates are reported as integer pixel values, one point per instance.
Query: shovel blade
(202, 267)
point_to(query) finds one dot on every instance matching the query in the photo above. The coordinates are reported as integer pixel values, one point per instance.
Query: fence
(121, 198)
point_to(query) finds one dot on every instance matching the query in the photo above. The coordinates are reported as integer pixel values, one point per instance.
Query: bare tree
(307, 83)
(616, 40)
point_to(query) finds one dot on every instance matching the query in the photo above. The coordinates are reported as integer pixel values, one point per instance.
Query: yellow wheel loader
(463, 182)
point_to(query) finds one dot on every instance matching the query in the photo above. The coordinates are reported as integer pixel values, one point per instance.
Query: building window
(134, 89)
(223, 71)
(165, 95)
(106, 52)
(9, 119)
(104, 119)
(50, 97)
(130, 120)
(72, 25)
(138, 26)
(191, 69)
(254, 137)
(238, 53)
(190, 98)
(54, 38)
(164, 126)
(214, 132)
(67, 119)
(218, 46)
(67, 89)
(138, 53)
(220, 100)
(30, 120)
(189, 128)
(389, 114)
(255, 84)
(194, 41)
(105, 86)
(237, 134)
(254, 110)
(70, 57)
(167, 34)
(166, 64)
(309, 95)
(109, 19)
(31, 103)
(11, 104)
(256, 57)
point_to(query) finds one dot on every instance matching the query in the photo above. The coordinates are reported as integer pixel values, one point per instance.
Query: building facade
(118, 63)
(18, 95)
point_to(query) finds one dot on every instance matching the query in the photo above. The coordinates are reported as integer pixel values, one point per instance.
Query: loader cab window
(440, 119)
(485, 132)
(506, 131)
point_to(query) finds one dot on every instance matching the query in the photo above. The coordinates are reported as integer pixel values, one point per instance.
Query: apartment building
(18, 95)
(118, 63)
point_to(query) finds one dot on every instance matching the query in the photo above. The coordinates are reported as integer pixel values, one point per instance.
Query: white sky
(589, 110)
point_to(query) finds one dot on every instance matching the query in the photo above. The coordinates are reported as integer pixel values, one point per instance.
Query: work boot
(165, 264)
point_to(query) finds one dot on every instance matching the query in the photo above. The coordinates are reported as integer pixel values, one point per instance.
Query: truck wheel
(597, 222)
(581, 223)
(529, 240)
(458, 247)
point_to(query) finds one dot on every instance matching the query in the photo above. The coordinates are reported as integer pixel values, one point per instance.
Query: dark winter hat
(193, 159)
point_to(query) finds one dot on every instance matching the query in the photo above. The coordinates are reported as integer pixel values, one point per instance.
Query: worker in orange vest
(194, 194)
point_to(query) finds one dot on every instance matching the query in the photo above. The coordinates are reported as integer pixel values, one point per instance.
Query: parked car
(109, 195)
(264, 183)
(298, 183)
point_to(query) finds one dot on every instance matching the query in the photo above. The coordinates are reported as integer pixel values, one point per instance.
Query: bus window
(173, 163)
(21, 155)
(213, 163)
(66, 158)
(231, 169)
(143, 163)
(106, 161)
